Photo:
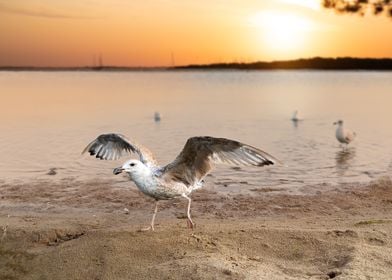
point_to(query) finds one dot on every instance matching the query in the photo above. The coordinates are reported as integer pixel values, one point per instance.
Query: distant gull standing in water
(295, 117)
(343, 135)
(182, 176)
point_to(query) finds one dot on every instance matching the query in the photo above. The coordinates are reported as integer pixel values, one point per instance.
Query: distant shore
(317, 63)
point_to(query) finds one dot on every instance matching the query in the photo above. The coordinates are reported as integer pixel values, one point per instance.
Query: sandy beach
(79, 230)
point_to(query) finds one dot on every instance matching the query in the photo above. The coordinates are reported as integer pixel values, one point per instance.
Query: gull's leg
(153, 215)
(151, 227)
(191, 224)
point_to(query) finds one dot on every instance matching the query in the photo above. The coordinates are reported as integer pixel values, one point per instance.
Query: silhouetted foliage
(360, 6)
(318, 63)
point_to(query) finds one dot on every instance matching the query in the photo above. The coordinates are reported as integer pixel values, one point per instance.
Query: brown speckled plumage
(185, 174)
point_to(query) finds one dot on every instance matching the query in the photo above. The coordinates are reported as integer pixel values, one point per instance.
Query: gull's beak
(335, 123)
(117, 170)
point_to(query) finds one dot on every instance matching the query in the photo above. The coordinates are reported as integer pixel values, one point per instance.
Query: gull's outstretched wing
(195, 160)
(112, 146)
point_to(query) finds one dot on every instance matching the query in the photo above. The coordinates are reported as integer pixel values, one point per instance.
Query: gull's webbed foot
(146, 229)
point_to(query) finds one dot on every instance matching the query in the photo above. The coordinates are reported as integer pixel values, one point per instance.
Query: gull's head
(339, 122)
(131, 166)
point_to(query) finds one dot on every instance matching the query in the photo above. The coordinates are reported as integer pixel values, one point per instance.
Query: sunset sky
(167, 32)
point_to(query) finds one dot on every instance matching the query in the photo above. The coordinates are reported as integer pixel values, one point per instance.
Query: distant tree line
(317, 63)
(360, 6)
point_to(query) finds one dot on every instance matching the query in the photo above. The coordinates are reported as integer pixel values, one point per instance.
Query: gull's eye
(132, 164)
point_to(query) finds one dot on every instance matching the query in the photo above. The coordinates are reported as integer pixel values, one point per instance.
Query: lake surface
(47, 118)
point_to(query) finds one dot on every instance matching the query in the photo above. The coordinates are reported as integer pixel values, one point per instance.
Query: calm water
(47, 118)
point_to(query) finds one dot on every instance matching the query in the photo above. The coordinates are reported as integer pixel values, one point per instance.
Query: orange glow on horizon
(140, 33)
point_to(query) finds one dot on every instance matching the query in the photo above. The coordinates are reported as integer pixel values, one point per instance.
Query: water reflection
(344, 159)
(157, 117)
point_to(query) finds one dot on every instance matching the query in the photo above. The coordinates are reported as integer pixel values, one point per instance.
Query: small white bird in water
(343, 135)
(295, 117)
(182, 176)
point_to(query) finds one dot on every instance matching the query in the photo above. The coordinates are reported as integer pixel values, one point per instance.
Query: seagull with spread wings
(182, 176)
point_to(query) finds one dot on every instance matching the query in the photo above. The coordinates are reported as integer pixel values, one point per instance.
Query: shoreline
(314, 63)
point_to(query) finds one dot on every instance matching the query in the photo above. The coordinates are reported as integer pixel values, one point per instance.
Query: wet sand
(80, 230)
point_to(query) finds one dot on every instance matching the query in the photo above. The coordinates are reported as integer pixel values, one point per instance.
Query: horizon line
(198, 65)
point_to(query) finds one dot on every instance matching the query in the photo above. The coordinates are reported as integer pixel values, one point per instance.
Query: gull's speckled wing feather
(112, 146)
(195, 160)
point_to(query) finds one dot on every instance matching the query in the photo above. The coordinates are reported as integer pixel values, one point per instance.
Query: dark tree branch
(360, 6)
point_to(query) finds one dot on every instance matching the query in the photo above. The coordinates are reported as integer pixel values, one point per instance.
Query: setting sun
(282, 32)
